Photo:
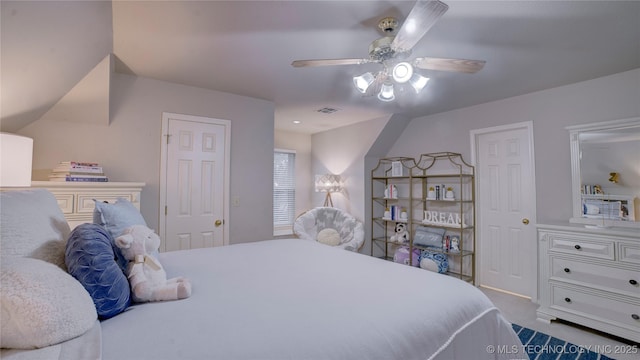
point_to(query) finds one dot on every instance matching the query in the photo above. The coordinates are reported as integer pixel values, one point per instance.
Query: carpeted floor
(540, 346)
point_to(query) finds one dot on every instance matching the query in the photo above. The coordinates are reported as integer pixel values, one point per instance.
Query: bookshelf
(437, 193)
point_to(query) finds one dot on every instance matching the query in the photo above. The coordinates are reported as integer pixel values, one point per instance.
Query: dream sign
(442, 218)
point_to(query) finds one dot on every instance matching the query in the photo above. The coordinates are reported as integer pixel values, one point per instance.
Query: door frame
(166, 117)
(475, 134)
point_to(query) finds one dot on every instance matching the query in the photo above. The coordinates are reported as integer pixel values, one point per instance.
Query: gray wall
(342, 151)
(129, 147)
(607, 98)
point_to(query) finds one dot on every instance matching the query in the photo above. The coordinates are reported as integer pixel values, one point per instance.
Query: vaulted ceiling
(246, 48)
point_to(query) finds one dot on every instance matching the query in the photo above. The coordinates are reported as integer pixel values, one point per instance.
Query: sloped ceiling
(246, 48)
(46, 47)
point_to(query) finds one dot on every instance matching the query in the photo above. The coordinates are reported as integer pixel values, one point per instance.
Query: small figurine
(449, 194)
(403, 214)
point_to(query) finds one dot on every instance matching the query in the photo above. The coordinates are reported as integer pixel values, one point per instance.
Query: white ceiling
(246, 48)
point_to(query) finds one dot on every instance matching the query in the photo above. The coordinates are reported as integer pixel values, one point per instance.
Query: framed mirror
(605, 167)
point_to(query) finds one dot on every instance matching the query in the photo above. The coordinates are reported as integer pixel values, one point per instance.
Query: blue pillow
(428, 236)
(117, 216)
(92, 258)
(433, 261)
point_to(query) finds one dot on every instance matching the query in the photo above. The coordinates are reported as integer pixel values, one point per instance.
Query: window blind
(284, 194)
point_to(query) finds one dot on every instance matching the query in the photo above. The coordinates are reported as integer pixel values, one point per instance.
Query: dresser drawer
(85, 203)
(596, 275)
(597, 307)
(65, 202)
(629, 253)
(571, 244)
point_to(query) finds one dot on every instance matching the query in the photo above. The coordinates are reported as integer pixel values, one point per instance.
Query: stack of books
(78, 171)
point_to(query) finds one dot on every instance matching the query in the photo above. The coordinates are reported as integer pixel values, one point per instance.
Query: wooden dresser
(76, 198)
(590, 277)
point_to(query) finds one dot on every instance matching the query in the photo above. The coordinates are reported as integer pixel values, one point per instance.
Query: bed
(292, 299)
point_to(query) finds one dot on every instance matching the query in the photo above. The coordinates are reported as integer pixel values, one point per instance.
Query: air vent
(327, 110)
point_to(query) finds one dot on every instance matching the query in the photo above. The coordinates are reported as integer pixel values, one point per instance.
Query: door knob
(525, 221)
(218, 223)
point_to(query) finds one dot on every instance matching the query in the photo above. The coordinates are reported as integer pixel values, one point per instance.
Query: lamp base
(327, 200)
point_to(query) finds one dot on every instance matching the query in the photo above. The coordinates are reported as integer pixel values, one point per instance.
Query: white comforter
(295, 299)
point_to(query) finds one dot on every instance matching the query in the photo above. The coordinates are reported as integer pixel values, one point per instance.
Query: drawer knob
(633, 282)
(635, 316)
(578, 247)
(567, 300)
(567, 270)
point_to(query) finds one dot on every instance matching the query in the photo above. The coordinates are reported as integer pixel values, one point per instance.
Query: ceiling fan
(394, 48)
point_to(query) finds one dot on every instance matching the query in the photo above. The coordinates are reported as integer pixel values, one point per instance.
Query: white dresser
(590, 277)
(76, 198)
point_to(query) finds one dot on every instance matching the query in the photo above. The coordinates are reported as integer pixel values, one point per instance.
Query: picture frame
(455, 243)
(396, 168)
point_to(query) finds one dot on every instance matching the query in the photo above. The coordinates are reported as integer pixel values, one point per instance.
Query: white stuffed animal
(401, 235)
(147, 278)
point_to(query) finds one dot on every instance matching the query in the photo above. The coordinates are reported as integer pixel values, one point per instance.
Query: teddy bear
(147, 278)
(401, 235)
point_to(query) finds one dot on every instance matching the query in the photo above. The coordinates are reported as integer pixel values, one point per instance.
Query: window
(284, 191)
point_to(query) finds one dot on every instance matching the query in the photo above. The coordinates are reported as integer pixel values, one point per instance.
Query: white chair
(310, 223)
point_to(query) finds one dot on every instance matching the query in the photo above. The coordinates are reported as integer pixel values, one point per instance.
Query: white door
(195, 187)
(506, 209)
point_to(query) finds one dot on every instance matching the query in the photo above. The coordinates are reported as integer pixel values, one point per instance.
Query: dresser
(76, 198)
(590, 277)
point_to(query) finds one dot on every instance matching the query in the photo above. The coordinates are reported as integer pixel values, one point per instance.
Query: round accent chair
(325, 224)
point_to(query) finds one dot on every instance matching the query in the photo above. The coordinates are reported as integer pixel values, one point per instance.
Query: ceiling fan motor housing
(380, 50)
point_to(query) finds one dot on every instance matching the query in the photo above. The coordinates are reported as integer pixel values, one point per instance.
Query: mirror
(605, 166)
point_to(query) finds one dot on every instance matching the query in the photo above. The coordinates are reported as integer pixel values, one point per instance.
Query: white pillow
(41, 305)
(32, 225)
(329, 237)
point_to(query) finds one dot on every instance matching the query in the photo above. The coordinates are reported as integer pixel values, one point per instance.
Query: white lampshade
(328, 183)
(16, 153)
(418, 82)
(363, 81)
(386, 92)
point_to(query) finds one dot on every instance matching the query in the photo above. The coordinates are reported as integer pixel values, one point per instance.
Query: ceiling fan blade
(423, 16)
(458, 65)
(329, 62)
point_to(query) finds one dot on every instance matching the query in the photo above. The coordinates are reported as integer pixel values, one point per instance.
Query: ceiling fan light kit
(395, 46)
(402, 72)
(386, 92)
(363, 81)
(418, 82)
